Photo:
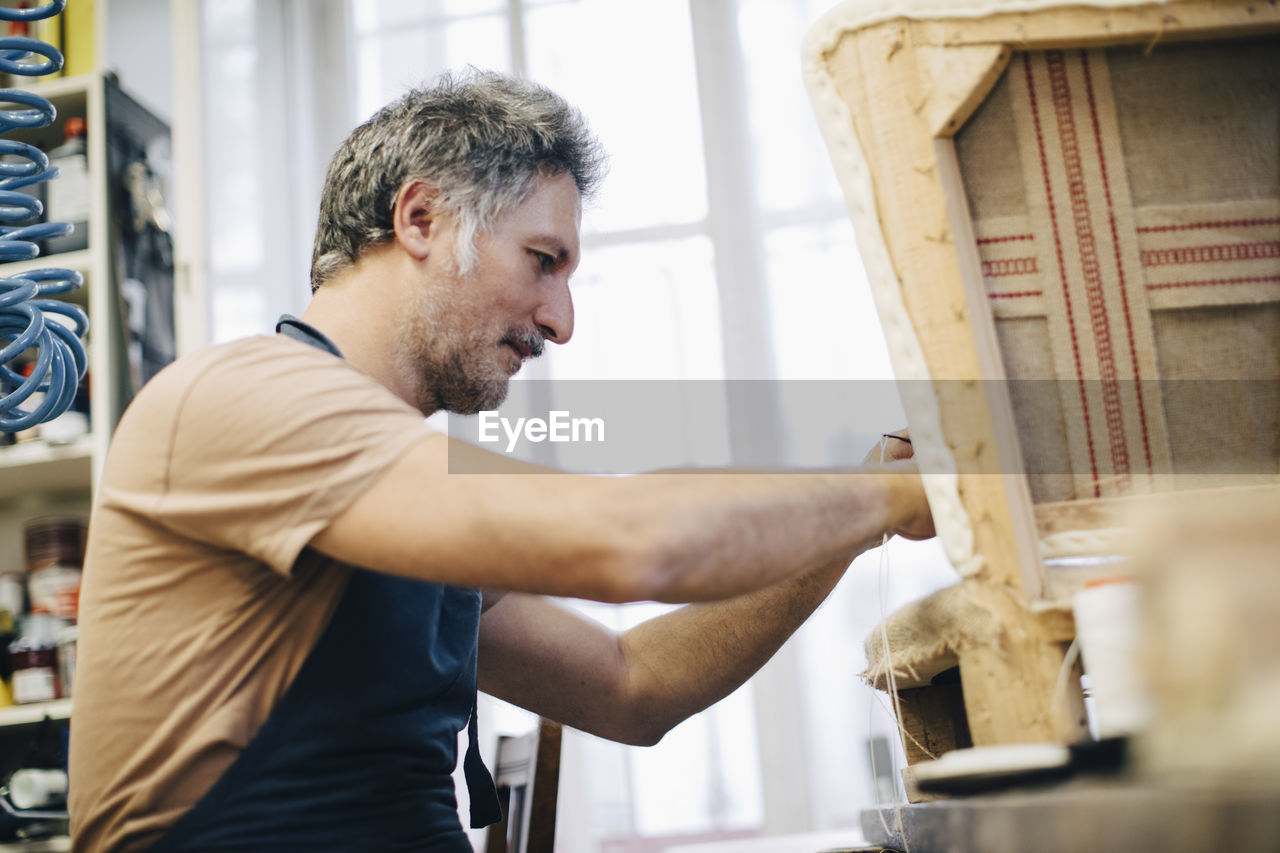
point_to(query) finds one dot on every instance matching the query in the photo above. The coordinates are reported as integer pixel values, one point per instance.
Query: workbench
(1085, 815)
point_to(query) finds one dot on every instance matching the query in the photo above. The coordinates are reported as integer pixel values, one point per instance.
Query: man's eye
(546, 262)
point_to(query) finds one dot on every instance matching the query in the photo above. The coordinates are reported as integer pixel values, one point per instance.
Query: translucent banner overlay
(1090, 428)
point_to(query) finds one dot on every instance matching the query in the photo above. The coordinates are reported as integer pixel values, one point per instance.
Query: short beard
(455, 384)
(449, 368)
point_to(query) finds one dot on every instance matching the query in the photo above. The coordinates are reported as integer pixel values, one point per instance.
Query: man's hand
(895, 447)
(890, 448)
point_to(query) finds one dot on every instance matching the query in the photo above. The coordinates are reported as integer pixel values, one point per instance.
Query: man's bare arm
(665, 537)
(636, 686)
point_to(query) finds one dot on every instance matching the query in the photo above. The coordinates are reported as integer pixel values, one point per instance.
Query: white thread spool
(1108, 626)
(31, 789)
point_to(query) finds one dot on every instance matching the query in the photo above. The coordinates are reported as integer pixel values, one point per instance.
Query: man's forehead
(550, 215)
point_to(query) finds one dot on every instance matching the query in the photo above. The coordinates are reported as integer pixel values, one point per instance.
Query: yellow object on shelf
(77, 37)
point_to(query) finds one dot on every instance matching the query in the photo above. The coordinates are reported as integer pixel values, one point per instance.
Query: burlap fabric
(924, 638)
(1126, 205)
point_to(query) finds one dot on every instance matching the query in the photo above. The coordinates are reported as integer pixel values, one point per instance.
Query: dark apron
(359, 752)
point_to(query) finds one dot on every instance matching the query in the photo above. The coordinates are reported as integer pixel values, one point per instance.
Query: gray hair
(482, 138)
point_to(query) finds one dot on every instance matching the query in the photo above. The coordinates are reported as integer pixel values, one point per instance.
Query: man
(282, 631)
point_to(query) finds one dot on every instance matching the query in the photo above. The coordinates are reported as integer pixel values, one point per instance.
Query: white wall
(139, 51)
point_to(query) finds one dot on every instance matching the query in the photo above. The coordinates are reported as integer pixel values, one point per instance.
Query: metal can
(55, 557)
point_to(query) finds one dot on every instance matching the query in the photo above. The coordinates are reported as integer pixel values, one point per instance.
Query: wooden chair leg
(498, 835)
(546, 785)
(527, 775)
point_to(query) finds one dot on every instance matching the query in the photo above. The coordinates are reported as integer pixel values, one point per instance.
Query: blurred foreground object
(1212, 645)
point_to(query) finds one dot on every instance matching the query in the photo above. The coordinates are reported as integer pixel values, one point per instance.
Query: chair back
(527, 774)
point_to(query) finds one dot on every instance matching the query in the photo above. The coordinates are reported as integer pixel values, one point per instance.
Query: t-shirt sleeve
(274, 442)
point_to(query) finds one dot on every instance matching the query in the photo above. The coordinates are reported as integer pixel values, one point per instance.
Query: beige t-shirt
(200, 599)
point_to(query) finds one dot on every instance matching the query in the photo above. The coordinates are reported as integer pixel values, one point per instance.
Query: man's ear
(416, 218)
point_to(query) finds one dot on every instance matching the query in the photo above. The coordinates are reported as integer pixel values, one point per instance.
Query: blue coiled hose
(60, 356)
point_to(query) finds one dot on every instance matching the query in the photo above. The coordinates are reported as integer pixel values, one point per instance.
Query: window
(719, 248)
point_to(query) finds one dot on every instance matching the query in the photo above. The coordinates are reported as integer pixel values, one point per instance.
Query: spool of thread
(33, 788)
(1108, 616)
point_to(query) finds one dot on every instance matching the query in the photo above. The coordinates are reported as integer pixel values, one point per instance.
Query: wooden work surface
(1080, 816)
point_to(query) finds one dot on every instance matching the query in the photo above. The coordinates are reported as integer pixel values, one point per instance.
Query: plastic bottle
(34, 657)
(67, 196)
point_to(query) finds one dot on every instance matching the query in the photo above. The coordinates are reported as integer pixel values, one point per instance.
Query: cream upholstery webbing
(1127, 210)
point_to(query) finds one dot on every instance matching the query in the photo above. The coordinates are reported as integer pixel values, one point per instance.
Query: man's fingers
(891, 447)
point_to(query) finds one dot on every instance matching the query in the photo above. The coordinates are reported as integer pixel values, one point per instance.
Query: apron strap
(485, 809)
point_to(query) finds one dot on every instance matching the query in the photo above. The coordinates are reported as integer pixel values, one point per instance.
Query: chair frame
(904, 83)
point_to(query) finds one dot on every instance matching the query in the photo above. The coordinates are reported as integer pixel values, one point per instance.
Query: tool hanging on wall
(25, 322)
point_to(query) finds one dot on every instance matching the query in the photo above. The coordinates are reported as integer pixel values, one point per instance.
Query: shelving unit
(31, 470)
(41, 467)
(75, 96)
(38, 478)
(36, 712)
(41, 478)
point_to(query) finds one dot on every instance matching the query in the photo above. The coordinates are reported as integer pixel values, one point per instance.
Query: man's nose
(554, 316)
